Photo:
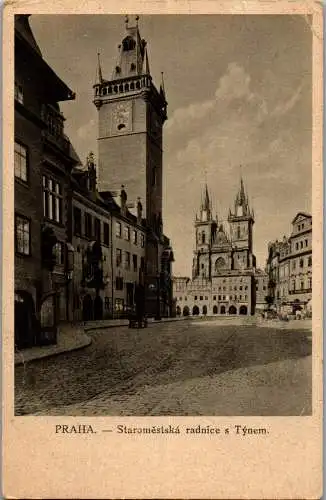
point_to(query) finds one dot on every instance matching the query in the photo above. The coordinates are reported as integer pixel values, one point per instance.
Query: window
(59, 253)
(20, 161)
(126, 233)
(107, 303)
(202, 266)
(297, 246)
(97, 229)
(118, 229)
(223, 297)
(309, 261)
(106, 233)
(77, 221)
(52, 199)
(195, 297)
(309, 282)
(203, 237)
(293, 285)
(134, 237)
(134, 262)
(246, 288)
(119, 283)
(240, 287)
(118, 257)
(127, 260)
(293, 264)
(201, 297)
(142, 240)
(88, 225)
(185, 298)
(22, 235)
(214, 298)
(301, 244)
(306, 242)
(301, 262)
(119, 303)
(19, 95)
(142, 263)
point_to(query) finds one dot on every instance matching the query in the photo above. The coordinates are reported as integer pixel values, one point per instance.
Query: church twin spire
(241, 205)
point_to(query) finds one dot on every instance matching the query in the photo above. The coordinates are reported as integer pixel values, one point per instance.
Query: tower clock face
(122, 117)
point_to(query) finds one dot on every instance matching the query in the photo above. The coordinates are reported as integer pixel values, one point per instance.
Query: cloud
(86, 129)
(237, 126)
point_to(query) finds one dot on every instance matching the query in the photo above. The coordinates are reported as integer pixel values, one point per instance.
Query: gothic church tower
(241, 221)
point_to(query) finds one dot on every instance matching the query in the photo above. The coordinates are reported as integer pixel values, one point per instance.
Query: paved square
(177, 368)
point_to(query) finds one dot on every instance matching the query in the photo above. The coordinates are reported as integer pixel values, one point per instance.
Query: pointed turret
(241, 205)
(99, 76)
(206, 207)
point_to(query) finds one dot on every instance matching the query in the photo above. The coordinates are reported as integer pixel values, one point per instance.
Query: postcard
(162, 250)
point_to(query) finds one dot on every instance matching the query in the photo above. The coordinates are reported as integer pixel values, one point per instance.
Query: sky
(239, 103)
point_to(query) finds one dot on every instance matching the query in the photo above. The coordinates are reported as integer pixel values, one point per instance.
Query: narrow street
(178, 368)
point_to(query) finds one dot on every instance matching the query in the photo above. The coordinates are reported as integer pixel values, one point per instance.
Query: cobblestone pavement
(189, 368)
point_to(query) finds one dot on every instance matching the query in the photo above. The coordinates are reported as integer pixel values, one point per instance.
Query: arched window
(222, 309)
(195, 311)
(128, 43)
(232, 310)
(186, 311)
(243, 310)
(220, 264)
(204, 310)
(203, 237)
(215, 310)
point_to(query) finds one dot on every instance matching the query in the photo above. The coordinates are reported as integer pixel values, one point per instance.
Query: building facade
(224, 274)
(289, 266)
(80, 248)
(43, 160)
(131, 115)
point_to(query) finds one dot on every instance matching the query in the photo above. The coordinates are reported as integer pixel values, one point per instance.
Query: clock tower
(131, 114)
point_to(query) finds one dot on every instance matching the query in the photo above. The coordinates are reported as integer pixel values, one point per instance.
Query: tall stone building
(131, 114)
(224, 274)
(289, 266)
(43, 160)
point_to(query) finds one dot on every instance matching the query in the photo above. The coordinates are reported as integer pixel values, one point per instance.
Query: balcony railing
(54, 128)
(301, 290)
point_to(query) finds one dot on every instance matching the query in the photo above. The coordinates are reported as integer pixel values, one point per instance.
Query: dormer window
(128, 43)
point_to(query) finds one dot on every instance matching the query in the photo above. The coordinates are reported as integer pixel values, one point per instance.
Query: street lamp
(158, 305)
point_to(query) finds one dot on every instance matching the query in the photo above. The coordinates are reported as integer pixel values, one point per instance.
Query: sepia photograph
(163, 215)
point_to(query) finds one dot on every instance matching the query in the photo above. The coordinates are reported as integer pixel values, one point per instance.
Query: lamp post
(158, 293)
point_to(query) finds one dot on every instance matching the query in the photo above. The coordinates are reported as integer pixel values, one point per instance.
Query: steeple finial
(162, 89)
(99, 76)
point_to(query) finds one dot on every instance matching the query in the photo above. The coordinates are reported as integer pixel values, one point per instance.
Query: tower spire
(99, 76)
(147, 72)
(162, 89)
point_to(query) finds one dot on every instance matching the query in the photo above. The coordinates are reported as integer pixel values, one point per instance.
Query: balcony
(301, 290)
(54, 128)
